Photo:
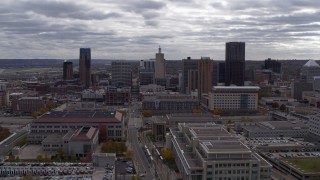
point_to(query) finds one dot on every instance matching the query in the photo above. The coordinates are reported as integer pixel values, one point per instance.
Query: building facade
(310, 70)
(276, 129)
(205, 68)
(314, 124)
(121, 74)
(188, 67)
(234, 98)
(235, 63)
(166, 103)
(30, 104)
(273, 65)
(67, 70)
(160, 70)
(208, 151)
(110, 124)
(77, 142)
(85, 67)
(119, 97)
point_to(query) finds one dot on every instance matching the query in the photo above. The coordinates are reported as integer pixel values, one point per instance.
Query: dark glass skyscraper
(235, 63)
(85, 67)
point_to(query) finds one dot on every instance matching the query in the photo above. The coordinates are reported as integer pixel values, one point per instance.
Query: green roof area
(306, 165)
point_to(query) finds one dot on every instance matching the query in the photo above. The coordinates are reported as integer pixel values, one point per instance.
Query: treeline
(4, 133)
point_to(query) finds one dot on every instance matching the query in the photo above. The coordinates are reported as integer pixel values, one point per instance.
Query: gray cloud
(133, 29)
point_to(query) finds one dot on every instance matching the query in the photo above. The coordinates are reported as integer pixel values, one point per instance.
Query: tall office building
(188, 67)
(160, 65)
(273, 65)
(146, 72)
(67, 70)
(205, 68)
(121, 72)
(235, 63)
(85, 67)
(310, 70)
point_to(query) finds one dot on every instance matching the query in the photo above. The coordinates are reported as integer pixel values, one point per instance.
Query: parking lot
(268, 141)
(281, 155)
(48, 170)
(125, 167)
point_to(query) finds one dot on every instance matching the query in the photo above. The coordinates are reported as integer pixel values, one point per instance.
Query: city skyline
(134, 29)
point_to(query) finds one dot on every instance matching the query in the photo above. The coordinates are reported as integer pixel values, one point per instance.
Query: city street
(134, 123)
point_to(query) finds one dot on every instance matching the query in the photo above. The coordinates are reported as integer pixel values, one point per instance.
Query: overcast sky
(134, 29)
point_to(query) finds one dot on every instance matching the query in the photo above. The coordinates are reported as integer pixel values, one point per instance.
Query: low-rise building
(161, 124)
(313, 98)
(110, 124)
(314, 124)
(233, 98)
(208, 151)
(76, 142)
(118, 97)
(93, 95)
(30, 104)
(153, 88)
(276, 129)
(269, 101)
(169, 103)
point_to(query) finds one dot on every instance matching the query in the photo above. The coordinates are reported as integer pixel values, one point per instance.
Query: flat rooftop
(80, 116)
(236, 87)
(277, 125)
(224, 146)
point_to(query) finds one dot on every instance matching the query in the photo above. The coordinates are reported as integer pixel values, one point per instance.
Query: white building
(309, 71)
(77, 142)
(234, 98)
(276, 129)
(93, 95)
(314, 124)
(208, 151)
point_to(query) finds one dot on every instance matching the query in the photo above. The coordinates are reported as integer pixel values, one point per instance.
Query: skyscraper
(85, 67)
(160, 65)
(67, 70)
(189, 66)
(146, 72)
(205, 68)
(273, 65)
(235, 63)
(121, 73)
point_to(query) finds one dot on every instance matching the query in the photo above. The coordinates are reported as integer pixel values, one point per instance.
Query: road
(140, 158)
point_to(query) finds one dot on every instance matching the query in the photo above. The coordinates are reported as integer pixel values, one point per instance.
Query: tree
(263, 94)
(43, 110)
(196, 110)
(28, 177)
(39, 158)
(217, 111)
(282, 108)
(113, 147)
(129, 155)
(275, 105)
(167, 153)
(147, 113)
(51, 105)
(4, 133)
